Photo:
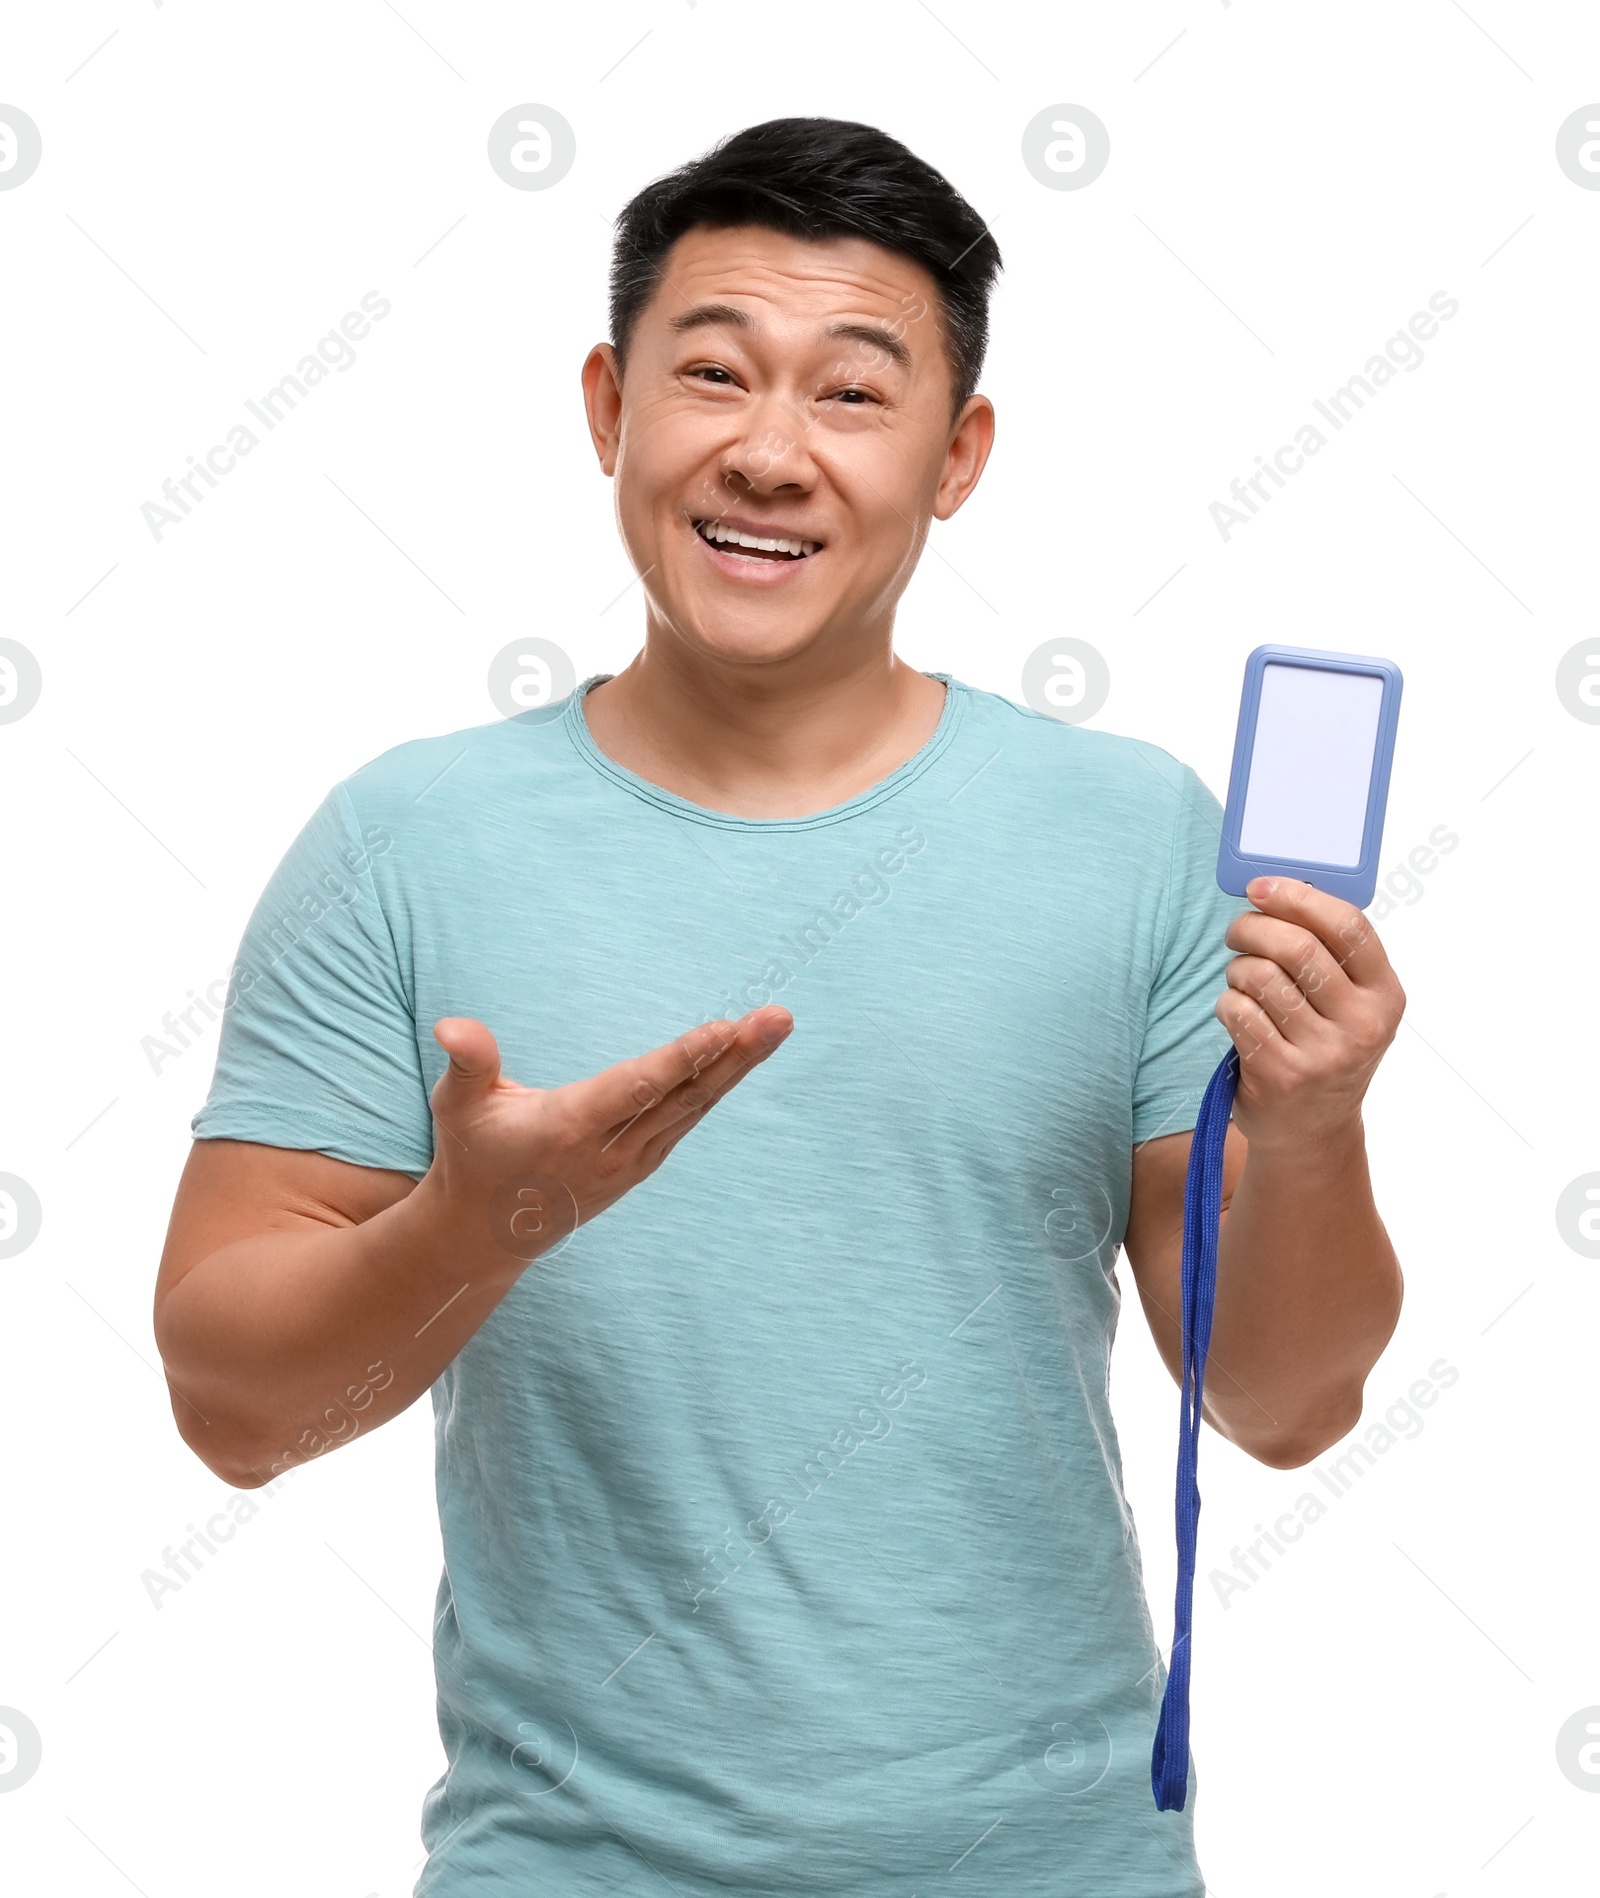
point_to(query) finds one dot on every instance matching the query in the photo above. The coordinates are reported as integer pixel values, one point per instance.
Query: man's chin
(746, 639)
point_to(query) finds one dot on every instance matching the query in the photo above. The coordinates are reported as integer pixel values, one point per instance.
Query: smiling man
(786, 1546)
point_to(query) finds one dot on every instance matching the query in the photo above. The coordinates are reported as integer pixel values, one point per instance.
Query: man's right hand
(525, 1166)
(303, 1300)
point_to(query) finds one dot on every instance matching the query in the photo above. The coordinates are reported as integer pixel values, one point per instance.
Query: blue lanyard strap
(1202, 1213)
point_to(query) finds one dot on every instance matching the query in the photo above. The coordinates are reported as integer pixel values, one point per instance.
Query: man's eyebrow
(704, 315)
(883, 340)
(714, 315)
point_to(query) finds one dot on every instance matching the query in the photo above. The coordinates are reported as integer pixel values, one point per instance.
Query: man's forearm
(282, 1343)
(1308, 1294)
(280, 1346)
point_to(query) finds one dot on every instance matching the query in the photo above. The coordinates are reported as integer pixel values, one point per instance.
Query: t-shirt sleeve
(1183, 1040)
(318, 1044)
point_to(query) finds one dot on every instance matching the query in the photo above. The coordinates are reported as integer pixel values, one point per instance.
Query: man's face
(782, 390)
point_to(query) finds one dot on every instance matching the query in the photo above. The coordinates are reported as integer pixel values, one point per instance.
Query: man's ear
(602, 401)
(970, 442)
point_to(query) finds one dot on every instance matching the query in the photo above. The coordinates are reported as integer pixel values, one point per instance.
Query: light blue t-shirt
(786, 1546)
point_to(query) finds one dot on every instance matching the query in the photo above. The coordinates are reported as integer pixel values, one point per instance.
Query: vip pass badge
(1306, 799)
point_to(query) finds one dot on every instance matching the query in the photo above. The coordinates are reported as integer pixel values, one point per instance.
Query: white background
(1287, 185)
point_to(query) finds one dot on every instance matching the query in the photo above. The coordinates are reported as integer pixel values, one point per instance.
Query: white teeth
(715, 532)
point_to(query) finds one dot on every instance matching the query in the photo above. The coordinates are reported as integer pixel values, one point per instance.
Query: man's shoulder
(1056, 754)
(470, 764)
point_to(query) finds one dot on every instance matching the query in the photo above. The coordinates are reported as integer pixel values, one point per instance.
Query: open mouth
(744, 546)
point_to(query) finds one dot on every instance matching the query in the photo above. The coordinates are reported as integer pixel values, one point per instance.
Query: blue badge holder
(1306, 799)
(1330, 774)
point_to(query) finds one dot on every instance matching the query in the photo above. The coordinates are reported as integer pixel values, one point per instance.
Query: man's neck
(764, 741)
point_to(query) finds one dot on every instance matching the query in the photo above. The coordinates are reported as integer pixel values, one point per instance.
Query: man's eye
(712, 372)
(855, 397)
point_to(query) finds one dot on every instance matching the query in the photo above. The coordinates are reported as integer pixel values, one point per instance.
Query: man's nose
(771, 450)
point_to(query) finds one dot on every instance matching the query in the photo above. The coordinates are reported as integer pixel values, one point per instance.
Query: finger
(623, 1092)
(1302, 956)
(1277, 994)
(1347, 934)
(1247, 1022)
(474, 1064)
(660, 1144)
(470, 1077)
(754, 1038)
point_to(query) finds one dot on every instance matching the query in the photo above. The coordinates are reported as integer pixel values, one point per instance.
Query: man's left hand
(1311, 1004)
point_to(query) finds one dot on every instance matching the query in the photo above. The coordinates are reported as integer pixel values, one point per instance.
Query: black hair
(817, 178)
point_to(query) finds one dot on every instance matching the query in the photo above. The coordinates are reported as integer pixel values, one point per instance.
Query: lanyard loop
(1202, 1213)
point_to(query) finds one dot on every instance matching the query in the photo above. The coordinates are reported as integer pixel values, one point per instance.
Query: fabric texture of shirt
(786, 1544)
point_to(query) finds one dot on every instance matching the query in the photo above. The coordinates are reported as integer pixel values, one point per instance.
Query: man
(786, 1545)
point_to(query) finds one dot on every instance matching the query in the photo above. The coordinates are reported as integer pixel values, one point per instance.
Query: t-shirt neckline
(919, 761)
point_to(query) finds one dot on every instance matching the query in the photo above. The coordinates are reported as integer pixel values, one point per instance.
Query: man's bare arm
(1308, 1290)
(1308, 1285)
(302, 1300)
